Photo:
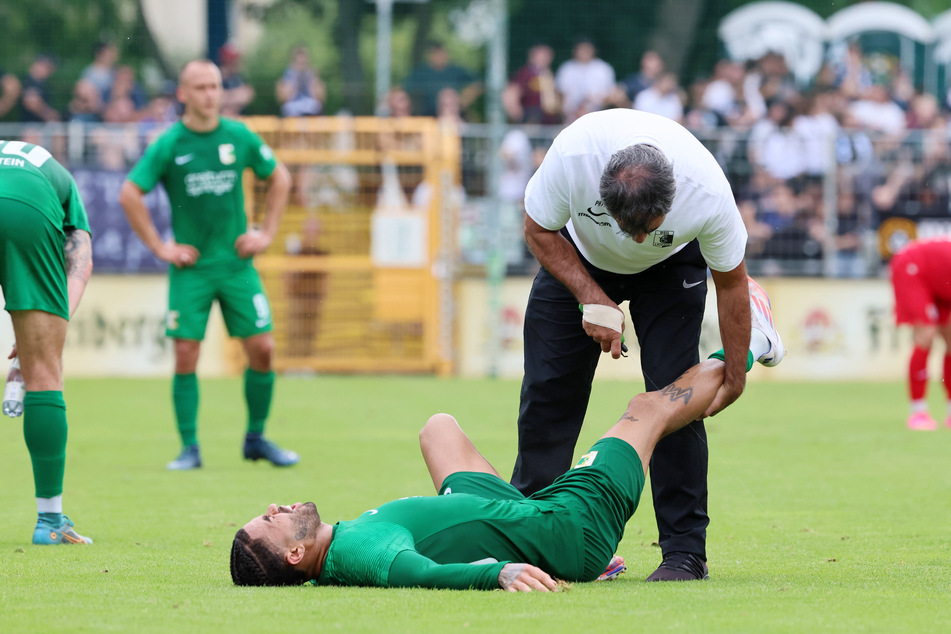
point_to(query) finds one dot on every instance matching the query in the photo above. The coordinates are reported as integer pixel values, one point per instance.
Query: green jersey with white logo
(453, 541)
(201, 172)
(30, 174)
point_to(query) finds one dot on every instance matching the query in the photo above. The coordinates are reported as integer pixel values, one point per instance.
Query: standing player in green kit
(45, 262)
(200, 161)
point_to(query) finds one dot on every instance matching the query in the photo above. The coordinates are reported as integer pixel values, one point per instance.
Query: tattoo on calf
(675, 393)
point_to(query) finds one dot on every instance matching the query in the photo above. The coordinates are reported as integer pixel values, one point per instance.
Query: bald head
(199, 89)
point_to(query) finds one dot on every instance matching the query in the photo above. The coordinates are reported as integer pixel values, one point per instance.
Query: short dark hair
(637, 187)
(253, 563)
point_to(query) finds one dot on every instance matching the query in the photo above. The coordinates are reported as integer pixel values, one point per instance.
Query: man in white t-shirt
(585, 81)
(629, 206)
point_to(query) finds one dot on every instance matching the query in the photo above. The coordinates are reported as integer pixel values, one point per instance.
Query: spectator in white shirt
(584, 81)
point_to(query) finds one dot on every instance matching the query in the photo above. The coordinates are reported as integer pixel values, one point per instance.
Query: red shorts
(921, 279)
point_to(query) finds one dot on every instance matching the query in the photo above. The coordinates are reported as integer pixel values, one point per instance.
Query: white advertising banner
(832, 329)
(119, 330)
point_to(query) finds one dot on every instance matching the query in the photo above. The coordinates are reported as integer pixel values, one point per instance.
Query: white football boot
(762, 320)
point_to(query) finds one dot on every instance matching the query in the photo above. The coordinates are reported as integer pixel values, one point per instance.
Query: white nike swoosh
(692, 284)
(181, 160)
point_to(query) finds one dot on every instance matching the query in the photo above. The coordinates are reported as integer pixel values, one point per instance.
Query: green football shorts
(239, 292)
(601, 491)
(32, 263)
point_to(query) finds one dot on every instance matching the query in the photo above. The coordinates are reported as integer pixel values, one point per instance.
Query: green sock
(721, 355)
(185, 398)
(44, 430)
(258, 389)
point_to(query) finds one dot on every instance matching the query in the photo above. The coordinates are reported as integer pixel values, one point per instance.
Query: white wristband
(601, 315)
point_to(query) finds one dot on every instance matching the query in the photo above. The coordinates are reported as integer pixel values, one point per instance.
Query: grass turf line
(827, 515)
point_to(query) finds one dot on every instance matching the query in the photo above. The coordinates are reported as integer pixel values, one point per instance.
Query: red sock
(947, 375)
(918, 372)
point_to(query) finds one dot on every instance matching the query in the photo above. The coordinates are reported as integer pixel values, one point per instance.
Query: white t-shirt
(564, 192)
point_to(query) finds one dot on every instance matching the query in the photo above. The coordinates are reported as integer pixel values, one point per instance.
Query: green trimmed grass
(827, 515)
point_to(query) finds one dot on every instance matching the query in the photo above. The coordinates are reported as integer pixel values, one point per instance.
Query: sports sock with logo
(258, 389)
(918, 373)
(44, 430)
(721, 355)
(185, 400)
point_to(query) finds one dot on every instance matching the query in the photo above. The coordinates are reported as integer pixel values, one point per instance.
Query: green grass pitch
(827, 515)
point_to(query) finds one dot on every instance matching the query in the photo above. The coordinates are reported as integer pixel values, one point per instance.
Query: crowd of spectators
(882, 142)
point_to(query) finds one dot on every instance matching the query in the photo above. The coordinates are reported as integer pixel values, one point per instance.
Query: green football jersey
(444, 541)
(30, 174)
(201, 172)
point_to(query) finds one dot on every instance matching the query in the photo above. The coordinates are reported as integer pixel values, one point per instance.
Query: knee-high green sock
(185, 399)
(258, 389)
(44, 430)
(721, 355)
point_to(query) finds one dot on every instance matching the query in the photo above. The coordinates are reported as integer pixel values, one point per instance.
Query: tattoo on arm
(675, 393)
(630, 418)
(78, 252)
(509, 574)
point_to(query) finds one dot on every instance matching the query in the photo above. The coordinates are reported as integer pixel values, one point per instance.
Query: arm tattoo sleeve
(78, 252)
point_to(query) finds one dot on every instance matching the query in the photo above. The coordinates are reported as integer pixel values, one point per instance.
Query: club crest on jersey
(586, 460)
(663, 238)
(226, 153)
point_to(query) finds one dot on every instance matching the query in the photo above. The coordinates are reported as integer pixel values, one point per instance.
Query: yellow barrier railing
(351, 274)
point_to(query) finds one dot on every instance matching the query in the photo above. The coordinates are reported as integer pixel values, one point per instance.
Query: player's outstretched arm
(525, 578)
(78, 255)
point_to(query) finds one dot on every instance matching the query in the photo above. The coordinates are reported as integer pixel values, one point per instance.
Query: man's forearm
(557, 255)
(278, 191)
(78, 255)
(133, 203)
(733, 309)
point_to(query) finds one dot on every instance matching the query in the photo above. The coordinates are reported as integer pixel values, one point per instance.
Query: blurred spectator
(818, 128)
(10, 89)
(85, 105)
(530, 96)
(426, 80)
(774, 79)
(300, 90)
(237, 93)
(698, 118)
(584, 81)
(853, 78)
(780, 150)
(923, 112)
(731, 97)
(449, 109)
(796, 230)
(306, 292)
(101, 72)
(876, 111)
(396, 104)
(517, 165)
(662, 97)
(35, 101)
(127, 98)
(160, 111)
(652, 67)
(853, 222)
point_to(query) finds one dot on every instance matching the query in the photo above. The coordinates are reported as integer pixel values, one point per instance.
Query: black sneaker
(259, 448)
(680, 567)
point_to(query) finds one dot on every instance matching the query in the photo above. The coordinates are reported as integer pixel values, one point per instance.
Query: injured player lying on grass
(480, 532)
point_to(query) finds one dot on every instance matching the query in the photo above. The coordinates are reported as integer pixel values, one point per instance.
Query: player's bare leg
(258, 390)
(40, 338)
(653, 415)
(447, 450)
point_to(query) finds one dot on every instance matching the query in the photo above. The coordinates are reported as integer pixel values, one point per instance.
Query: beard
(307, 519)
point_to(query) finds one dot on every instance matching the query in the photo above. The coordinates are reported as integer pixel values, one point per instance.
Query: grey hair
(637, 187)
